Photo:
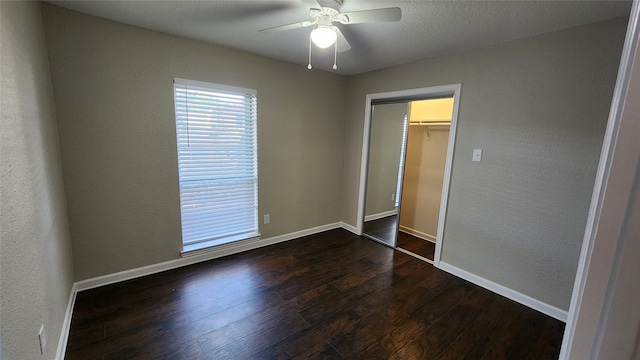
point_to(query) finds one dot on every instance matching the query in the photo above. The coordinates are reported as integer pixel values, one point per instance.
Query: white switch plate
(477, 155)
(266, 218)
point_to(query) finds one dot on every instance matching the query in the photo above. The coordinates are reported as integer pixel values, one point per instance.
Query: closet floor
(416, 245)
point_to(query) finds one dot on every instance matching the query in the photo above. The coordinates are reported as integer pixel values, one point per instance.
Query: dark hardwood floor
(386, 229)
(418, 246)
(382, 229)
(332, 295)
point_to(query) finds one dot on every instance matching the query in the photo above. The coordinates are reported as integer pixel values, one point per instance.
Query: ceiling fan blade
(312, 4)
(343, 43)
(287, 27)
(376, 15)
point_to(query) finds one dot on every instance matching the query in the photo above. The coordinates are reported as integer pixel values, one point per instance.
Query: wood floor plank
(547, 346)
(384, 228)
(127, 344)
(436, 338)
(159, 333)
(170, 316)
(313, 279)
(300, 343)
(253, 326)
(118, 300)
(331, 295)
(412, 267)
(189, 350)
(373, 268)
(313, 297)
(331, 306)
(213, 307)
(416, 245)
(317, 351)
(261, 321)
(245, 346)
(472, 342)
(320, 352)
(520, 337)
(379, 326)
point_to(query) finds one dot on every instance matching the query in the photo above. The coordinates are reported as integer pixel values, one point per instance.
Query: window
(217, 163)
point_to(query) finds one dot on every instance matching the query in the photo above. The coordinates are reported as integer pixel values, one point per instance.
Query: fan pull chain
(335, 55)
(309, 66)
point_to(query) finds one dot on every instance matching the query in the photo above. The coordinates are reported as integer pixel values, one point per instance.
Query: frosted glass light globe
(323, 36)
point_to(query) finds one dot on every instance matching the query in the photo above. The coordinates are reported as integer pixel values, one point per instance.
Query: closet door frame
(451, 90)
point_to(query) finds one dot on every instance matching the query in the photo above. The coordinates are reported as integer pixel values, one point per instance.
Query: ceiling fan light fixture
(323, 36)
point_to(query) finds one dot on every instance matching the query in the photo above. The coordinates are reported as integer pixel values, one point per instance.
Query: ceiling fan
(324, 13)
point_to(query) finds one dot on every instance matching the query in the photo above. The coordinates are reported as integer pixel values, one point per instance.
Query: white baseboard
(516, 296)
(66, 325)
(213, 253)
(418, 234)
(381, 215)
(349, 228)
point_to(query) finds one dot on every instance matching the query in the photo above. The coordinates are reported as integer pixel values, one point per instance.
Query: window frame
(247, 165)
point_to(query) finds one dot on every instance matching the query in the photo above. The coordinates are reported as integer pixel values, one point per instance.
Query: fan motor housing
(331, 4)
(326, 16)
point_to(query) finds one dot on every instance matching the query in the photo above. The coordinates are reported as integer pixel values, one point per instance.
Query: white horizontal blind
(403, 150)
(217, 161)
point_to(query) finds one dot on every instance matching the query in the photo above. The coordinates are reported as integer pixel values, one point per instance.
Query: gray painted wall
(114, 98)
(538, 108)
(35, 249)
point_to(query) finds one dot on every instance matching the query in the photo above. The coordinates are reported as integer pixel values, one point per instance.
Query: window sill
(204, 247)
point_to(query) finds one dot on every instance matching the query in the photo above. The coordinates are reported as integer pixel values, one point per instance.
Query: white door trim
(412, 94)
(603, 267)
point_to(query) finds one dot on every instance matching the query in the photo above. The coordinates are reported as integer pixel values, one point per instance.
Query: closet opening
(407, 153)
(425, 159)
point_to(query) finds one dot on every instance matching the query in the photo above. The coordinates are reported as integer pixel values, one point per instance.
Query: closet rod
(430, 123)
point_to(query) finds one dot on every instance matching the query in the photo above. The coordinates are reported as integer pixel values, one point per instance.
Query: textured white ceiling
(427, 28)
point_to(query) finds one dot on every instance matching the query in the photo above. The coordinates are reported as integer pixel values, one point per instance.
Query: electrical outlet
(393, 197)
(43, 340)
(266, 218)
